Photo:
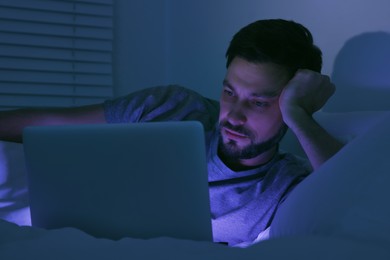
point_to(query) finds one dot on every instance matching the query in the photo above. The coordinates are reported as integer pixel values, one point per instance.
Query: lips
(234, 135)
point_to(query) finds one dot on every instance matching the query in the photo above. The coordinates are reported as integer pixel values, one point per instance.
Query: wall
(140, 51)
(192, 36)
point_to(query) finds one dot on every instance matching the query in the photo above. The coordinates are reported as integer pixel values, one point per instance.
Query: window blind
(55, 52)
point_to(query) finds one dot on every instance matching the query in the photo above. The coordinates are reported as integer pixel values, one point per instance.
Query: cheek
(223, 110)
(267, 124)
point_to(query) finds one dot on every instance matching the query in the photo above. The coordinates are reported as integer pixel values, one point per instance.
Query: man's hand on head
(304, 94)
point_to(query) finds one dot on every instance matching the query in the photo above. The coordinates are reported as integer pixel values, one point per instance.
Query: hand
(304, 94)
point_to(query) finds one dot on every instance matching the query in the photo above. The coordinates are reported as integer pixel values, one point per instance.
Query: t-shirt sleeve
(162, 103)
(296, 169)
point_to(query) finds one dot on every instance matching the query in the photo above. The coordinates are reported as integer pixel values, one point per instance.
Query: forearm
(306, 93)
(13, 122)
(317, 143)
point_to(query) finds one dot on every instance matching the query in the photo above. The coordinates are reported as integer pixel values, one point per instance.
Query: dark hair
(278, 41)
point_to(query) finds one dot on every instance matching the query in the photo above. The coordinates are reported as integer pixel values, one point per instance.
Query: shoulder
(286, 173)
(288, 160)
(159, 95)
(161, 103)
(288, 170)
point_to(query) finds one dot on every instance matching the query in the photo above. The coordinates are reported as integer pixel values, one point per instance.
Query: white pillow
(344, 126)
(14, 204)
(348, 196)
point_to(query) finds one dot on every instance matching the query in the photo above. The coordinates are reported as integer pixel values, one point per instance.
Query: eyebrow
(264, 94)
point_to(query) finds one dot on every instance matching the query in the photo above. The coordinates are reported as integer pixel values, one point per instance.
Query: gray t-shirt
(242, 203)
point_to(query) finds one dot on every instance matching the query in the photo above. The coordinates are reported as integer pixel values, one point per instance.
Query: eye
(261, 104)
(228, 92)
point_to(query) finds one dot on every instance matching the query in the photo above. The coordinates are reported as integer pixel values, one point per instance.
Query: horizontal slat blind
(55, 52)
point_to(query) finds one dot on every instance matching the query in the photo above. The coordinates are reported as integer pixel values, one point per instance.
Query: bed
(339, 212)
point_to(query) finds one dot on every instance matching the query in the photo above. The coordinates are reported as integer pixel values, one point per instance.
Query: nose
(236, 115)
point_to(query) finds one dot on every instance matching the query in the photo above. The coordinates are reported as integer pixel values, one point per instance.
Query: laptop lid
(140, 180)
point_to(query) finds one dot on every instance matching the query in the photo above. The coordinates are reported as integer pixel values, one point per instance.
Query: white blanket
(340, 212)
(30, 243)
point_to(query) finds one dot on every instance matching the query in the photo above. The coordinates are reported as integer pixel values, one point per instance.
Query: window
(55, 52)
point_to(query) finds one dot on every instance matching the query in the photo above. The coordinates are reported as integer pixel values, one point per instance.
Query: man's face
(250, 119)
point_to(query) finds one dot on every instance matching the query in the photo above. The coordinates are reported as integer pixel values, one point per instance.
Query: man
(273, 81)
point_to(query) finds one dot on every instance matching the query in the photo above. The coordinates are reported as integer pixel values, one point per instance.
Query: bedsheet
(31, 243)
(359, 231)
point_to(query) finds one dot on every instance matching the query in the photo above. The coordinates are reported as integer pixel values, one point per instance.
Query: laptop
(141, 180)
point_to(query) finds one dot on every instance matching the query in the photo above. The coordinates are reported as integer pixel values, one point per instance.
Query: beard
(231, 149)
